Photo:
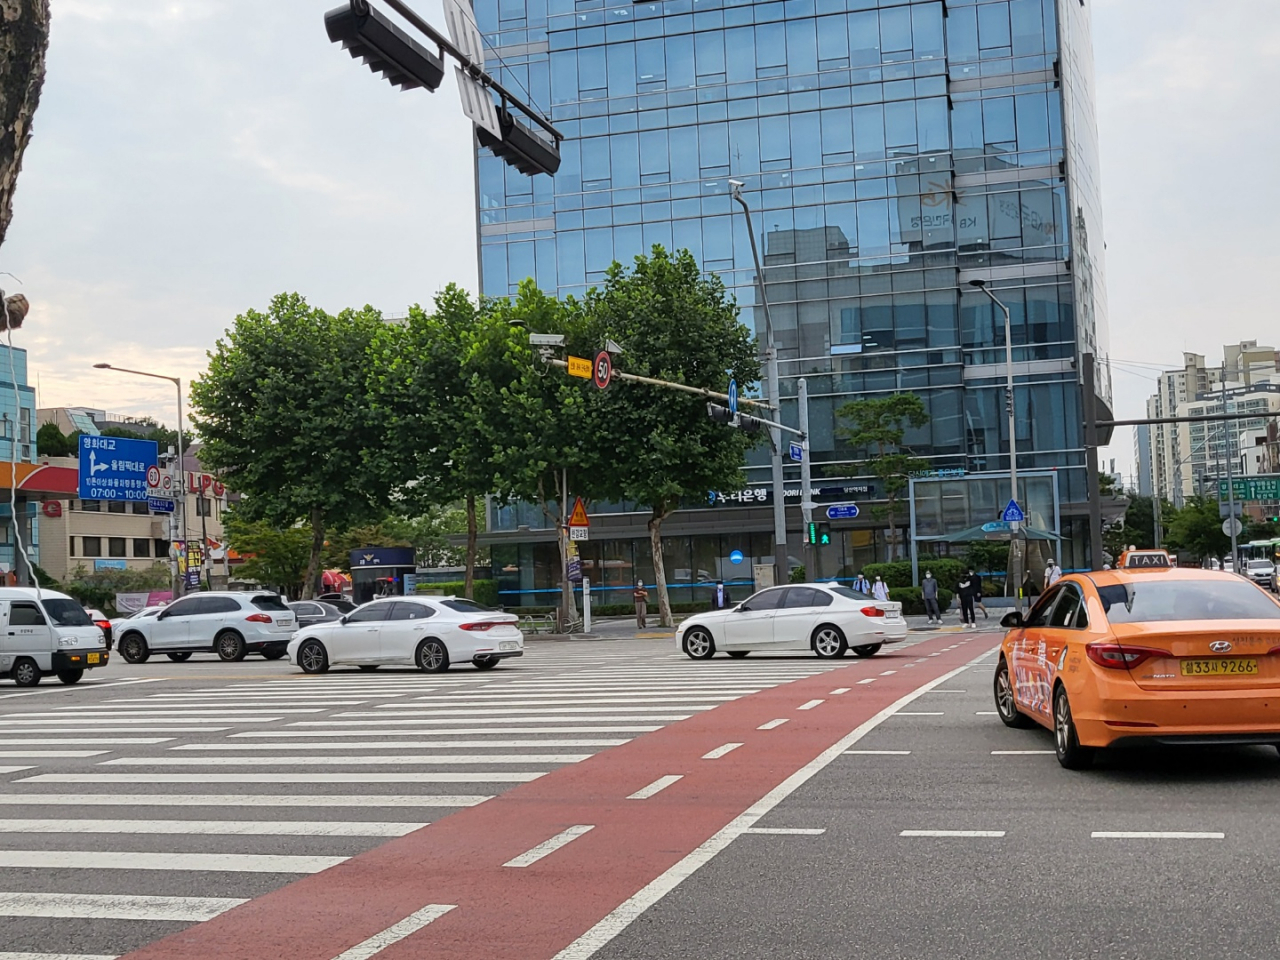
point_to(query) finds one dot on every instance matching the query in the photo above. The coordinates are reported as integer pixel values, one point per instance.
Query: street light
(182, 496)
(1013, 426)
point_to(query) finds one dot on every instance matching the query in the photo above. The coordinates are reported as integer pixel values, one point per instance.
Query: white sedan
(827, 618)
(427, 632)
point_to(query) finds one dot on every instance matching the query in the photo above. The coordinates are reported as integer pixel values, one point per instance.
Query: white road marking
(839, 690)
(521, 701)
(89, 728)
(499, 711)
(986, 713)
(948, 691)
(236, 800)
(475, 777)
(166, 710)
(14, 769)
(788, 831)
(878, 753)
(6, 955)
(455, 720)
(901, 713)
(1156, 835)
(85, 741)
(772, 724)
(888, 673)
(644, 793)
(396, 932)
(92, 906)
(720, 751)
(951, 833)
(450, 732)
(1022, 753)
(50, 754)
(155, 724)
(811, 704)
(402, 744)
(548, 847)
(195, 862)
(622, 916)
(246, 828)
(341, 761)
(868, 680)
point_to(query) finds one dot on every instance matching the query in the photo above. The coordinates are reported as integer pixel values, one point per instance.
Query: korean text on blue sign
(115, 468)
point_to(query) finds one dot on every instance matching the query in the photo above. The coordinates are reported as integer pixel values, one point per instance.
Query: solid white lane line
(472, 720)
(237, 800)
(644, 793)
(549, 847)
(622, 917)
(720, 751)
(401, 744)
(951, 833)
(811, 704)
(250, 828)
(878, 753)
(195, 862)
(341, 761)
(1022, 753)
(93, 906)
(448, 732)
(839, 690)
(50, 754)
(86, 741)
(788, 831)
(772, 724)
(901, 713)
(868, 680)
(1156, 835)
(396, 932)
(363, 777)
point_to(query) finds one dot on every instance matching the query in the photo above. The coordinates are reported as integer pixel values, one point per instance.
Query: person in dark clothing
(929, 592)
(968, 588)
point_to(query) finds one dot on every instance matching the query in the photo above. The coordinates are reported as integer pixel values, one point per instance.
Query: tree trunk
(659, 567)
(24, 40)
(469, 578)
(317, 548)
(893, 530)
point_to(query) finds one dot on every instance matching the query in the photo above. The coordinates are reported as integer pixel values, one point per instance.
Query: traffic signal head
(811, 533)
(369, 36)
(520, 147)
(824, 535)
(718, 413)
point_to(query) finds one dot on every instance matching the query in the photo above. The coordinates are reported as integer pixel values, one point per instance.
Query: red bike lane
(473, 886)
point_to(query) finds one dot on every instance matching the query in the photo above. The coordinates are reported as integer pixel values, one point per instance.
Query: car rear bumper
(888, 633)
(1182, 716)
(499, 655)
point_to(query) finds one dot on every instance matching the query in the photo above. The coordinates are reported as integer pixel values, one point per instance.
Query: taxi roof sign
(1145, 560)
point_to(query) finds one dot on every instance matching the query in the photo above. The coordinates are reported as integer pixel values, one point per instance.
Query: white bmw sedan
(827, 618)
(427, 632)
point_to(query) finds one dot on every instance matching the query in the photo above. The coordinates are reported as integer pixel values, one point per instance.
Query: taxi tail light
(872, 612)
(483, 625)
(1114, 656)
(258, 618)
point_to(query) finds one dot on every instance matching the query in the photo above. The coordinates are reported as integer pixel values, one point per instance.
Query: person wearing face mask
(929, 590)
(861, 583)
(880, 590)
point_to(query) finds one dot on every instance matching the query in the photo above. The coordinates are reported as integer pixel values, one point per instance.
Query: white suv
(228, 624)
(1261, 572)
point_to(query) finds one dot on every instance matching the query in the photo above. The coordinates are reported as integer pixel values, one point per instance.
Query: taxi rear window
(1162, 601)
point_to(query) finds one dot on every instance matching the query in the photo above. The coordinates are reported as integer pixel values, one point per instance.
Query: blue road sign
(1013, 513)
(842, 511)
(159, 505)
(736, 556)
(797, 452)
(733, 396)
(113, 468)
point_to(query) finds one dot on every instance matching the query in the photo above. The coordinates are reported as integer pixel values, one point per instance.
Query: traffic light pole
(806, 485)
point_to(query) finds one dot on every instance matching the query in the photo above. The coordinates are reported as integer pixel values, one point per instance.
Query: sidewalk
(624, 628)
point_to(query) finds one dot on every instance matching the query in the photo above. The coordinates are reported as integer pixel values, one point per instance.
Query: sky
(192, 158)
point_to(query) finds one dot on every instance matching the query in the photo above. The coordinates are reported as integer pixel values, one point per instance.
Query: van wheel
(70, 676)
(230, 646)
(133, 648)
(182, 657)
(25, 673)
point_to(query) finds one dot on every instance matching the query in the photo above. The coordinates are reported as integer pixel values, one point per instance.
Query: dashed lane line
(787, 831)
(396, 932)
(1156, 835)
(644, 793)
(811, 704)
(548, 847)
(772, 724)
(720, 751)
(952, 833)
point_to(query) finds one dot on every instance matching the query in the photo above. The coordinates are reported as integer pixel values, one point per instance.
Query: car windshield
(66, 613)
(268, 601)
(1259, 564)
(850, 594)
(1162, 601)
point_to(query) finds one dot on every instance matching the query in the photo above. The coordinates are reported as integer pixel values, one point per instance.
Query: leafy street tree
(673, 323)
(24, 41)
(876, 428)
(1196, 529)
(275, 557)
(52, 442)
(290, 417)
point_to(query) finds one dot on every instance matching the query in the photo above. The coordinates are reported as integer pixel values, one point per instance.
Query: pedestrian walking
(929, 591)
(880, 590)
(1052, 573)
(641, 596)
(967, 590)
(861, 583)
(977, 598)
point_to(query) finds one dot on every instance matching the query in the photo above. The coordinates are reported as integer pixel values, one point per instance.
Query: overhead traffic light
(722, 414)
(520, 147)
(368, 35)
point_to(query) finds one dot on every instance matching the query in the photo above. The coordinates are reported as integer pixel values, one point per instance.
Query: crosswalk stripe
(411, 761)
(253, 828)
(91, 906)
(403, 744)
(505, 776)
(7, 955)
(447, 732)
(84, 741)
(498, 711)
(195, 862)
(237, 800)
(505, 702)
(14, 769)
(50, 754)
(72, 725)
(154, 724)
(471, 719)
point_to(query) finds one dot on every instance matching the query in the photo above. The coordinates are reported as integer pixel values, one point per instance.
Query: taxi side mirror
(1011, 620)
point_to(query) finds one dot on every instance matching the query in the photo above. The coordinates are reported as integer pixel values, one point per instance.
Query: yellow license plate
(95, 657)
(1220, 667)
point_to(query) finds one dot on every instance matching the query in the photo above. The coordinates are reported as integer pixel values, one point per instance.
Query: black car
(337, 600)
(311, 612)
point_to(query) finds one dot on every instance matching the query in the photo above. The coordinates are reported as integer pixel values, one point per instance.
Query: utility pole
(1231, 480)
(811, 553)
(1091, 461)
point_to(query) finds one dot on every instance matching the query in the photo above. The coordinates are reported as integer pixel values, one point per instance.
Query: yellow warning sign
(579, 516)
(580, 367)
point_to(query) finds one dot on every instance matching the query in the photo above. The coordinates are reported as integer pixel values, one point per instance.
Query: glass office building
(892, 151)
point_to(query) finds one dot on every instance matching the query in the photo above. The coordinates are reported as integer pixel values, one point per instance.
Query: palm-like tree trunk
(24, 40)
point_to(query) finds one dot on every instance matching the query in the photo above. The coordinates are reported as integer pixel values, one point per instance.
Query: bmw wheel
(432, 656)
(1006, 707)
(1066, 743)
(698, 644)
(829, 643)
(312, 657)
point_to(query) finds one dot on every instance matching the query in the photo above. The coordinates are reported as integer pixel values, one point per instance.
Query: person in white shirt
(879, 590)
(1052, 573)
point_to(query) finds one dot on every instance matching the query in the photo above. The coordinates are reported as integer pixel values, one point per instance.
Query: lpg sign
(205, 485)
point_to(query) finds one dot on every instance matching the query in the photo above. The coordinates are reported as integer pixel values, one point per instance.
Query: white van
(45, 632)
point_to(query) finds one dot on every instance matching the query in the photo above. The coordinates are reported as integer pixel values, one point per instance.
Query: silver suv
(1261, 572)
(228, 624)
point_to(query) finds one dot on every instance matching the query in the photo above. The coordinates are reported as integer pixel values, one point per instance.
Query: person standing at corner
(641, 597)
(880, 590)
(929, 591)
(1052, 573)
(862, 584)
(967, 591)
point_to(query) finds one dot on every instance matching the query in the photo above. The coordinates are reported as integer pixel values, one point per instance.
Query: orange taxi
(1148, 652)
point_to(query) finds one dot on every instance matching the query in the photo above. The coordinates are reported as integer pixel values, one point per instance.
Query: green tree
(1261, 530)
(290, 414)
(1196, 529)
(875, 429)
(278, 557)
(676, 324)
(52, 442)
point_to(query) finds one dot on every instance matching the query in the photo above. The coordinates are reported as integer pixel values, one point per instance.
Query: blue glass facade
(891, 152)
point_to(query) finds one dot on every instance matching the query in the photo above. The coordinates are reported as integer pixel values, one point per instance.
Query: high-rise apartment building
(892, 151)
